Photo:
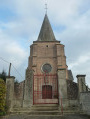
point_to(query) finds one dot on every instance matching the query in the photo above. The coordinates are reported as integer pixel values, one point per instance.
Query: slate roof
(46, 32)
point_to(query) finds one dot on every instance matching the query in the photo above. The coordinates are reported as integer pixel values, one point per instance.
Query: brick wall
(47, 52)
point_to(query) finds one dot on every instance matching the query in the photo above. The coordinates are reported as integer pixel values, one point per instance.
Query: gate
(45, 89)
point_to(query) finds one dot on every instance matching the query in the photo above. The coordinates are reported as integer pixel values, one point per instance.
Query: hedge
(2, 97)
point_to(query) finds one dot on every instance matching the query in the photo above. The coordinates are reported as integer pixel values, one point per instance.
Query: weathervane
(46, 7)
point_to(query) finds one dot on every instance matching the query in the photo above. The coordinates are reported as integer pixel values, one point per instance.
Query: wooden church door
(46, 92)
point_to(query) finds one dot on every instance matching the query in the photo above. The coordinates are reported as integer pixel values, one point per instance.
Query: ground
(74, 116)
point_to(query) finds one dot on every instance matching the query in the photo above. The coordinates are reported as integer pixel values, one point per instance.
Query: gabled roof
(46, 32)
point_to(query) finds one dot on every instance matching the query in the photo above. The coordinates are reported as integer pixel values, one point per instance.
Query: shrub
(2, 97)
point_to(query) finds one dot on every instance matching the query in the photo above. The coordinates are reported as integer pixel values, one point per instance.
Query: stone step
(37, 109)
(44, 108)
(41, 113)
(37, 112)
(45, 105)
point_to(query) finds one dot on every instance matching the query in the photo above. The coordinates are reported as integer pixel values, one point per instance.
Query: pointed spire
(46, 33)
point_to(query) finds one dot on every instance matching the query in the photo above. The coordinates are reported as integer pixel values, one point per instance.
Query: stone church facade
(48, 80)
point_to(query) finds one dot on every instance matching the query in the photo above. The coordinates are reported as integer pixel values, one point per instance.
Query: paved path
(46, 117)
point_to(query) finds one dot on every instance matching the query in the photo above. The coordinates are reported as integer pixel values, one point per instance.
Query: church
(48, 82)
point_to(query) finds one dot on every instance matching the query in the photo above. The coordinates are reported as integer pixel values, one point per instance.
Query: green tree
(16, 82)
(2, 96)
(3, 75)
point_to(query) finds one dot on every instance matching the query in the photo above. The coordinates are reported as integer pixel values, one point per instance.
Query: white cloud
(13, 52)
(81, 66)
(21, 30)
(80, 61)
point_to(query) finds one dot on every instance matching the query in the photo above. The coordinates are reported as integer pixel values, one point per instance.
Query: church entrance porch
(45, 89)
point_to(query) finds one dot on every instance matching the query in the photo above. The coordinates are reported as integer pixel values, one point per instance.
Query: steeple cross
(46, 7)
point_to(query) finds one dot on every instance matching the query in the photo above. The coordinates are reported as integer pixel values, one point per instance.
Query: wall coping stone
(81, 76)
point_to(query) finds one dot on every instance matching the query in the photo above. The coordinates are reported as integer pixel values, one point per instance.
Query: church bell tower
(47, 72)
(47, 54)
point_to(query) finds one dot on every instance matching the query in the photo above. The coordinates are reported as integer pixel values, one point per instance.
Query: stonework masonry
(85, 102)
(81, 83)
(28, 91)
(10, 92)
(62, 84)
(47, 52)
(18, 94)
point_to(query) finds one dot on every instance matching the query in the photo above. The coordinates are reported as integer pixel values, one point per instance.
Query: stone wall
(85, 102)
(28, 91)
(10, 92)
(70, 75)
(62, 87)
(18, 94)
(72, 90)
(72, 93)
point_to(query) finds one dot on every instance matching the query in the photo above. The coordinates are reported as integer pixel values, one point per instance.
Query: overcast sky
(20, 23)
